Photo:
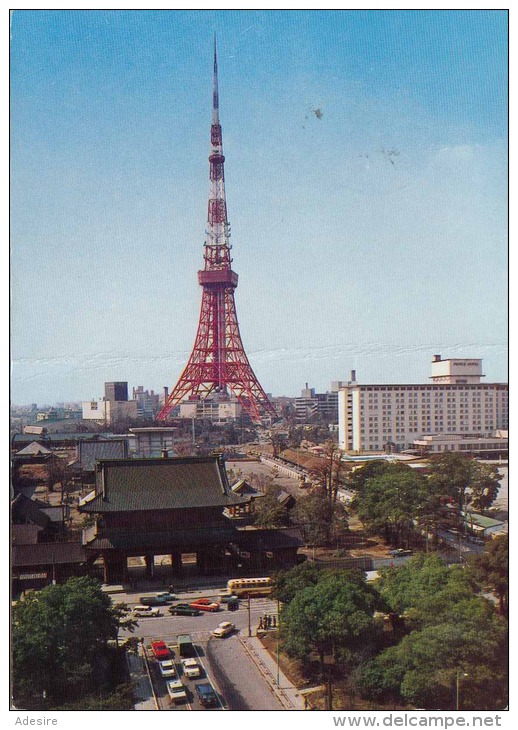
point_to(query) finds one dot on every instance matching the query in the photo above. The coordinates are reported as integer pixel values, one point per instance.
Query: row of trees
(444, 630)
(61, 645)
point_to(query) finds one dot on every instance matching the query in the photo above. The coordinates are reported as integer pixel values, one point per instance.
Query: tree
(59, 637)
(359, 477)
(278, 442)
(450, 629)
(390, 502)
(121, 618)
(288, 583)
(268, 510)
(491, 570)
(330, 474)
(425, 589)
(484, 485)
(334, 617)
(423, 668)
(324, 521)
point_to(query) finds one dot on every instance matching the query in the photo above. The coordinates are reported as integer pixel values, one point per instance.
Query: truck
(185, 646)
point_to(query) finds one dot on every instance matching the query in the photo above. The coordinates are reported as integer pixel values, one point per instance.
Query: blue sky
(370, 236)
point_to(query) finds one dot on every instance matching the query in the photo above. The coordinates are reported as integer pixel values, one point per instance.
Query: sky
(366, 182)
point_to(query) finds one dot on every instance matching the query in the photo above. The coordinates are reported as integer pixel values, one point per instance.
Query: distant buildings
(312, 406)
(148, 403)
(376, 417)
(216, 410)
(109, 412)
(116, 408)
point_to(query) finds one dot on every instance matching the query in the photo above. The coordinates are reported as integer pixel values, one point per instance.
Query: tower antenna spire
(218, 362)
(215, 93)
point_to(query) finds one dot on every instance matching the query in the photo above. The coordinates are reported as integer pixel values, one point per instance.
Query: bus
(245, 587)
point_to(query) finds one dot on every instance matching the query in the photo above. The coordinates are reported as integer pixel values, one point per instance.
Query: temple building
(173, 507)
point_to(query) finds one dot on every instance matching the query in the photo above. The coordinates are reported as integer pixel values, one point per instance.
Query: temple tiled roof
(129, 485)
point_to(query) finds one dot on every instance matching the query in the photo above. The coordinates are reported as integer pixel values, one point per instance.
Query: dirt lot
(244, 470)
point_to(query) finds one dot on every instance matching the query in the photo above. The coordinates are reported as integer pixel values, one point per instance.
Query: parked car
(224, 629)
(159, 600)
(183, 609)
(176, 690)
(227, 597)
(476, 540)
(206, 695)
(191, 668)
(168, 596)
(205, 604)
(400, 552)
(167, 668)
(142, 611)
(160, 650)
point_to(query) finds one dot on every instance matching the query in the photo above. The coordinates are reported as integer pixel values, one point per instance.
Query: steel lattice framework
(218, 362)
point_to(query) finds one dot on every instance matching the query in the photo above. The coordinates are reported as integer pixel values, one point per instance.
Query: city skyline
(366, 185)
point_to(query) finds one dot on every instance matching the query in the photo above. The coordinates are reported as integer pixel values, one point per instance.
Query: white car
(191, 668)
(167, 668)
(224, 629)
(141, 611)
(176, 690)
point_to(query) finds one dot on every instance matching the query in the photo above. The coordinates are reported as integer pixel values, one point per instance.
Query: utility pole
(249, 619)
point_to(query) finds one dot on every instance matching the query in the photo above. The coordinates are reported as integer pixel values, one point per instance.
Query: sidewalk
(143, 692)
(289, 696)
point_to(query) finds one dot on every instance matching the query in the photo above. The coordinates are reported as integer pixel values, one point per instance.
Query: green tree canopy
(287, 583)
(491, 570)
(359, 477)
(58, 638)
(333, 617)
(389, 503)
(423, 668)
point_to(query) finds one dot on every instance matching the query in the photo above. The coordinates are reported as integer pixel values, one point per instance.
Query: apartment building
(370, 417)
(312, 405)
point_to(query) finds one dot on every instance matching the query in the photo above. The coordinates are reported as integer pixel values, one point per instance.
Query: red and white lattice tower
(218, 363)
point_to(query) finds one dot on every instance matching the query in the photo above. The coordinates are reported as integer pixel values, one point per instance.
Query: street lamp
(459, 675)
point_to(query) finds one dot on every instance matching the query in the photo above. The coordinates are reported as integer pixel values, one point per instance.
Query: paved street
(238, 677)
(226, 665)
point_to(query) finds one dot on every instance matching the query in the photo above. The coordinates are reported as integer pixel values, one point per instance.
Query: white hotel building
(456, 401)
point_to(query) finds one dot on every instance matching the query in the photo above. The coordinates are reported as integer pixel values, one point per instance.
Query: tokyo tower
(218, 363)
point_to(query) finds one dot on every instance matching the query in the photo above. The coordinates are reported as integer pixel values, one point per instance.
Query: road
(234, 676)
(238, 677)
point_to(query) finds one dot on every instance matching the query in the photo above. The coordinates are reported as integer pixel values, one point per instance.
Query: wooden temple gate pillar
(176, 564)
(115, 567)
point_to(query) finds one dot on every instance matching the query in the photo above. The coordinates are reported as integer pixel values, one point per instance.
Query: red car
(160, 650)
(205, 604)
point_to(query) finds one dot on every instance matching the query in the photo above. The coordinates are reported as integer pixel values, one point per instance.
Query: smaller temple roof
(34, 449)
(25, 534)
(88, 452)
(243, 487)
(47, 553)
